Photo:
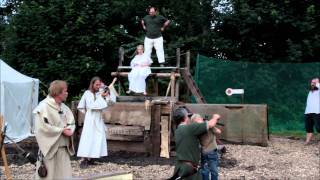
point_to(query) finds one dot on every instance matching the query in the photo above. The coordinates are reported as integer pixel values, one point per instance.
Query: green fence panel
(282, 86)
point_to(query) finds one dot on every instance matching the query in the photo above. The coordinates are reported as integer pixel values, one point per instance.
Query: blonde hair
(194, 117)
(56, 87)
(139, 46)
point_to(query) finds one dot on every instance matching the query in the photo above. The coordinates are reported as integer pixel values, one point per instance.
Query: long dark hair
(93, 80)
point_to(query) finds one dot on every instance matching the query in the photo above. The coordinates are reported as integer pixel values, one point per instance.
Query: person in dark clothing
(188, 144)
(154, 24)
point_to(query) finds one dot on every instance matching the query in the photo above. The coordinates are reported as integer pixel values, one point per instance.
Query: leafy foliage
(268, 31)
(77, 39)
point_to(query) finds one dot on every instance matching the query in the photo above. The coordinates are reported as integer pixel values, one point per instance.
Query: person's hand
(144, 27)
(217, 130)
(104, 94)
(216, 116)
(162, 29)
(213, 121)
(67, 132)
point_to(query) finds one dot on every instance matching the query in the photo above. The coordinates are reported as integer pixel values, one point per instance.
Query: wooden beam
(173, 83)
(178, 57)
(165, 139)
(188, 60)
(107, 176)
(157, 68)
(159, 75)
(127, 146)
(121, 56)
(155, 133)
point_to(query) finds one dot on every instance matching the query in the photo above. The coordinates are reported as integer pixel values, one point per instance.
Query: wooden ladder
(192, 86)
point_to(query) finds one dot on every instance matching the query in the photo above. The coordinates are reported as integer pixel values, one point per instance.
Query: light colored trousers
(157, 44)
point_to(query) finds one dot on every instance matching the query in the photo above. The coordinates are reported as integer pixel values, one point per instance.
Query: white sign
(230, 91)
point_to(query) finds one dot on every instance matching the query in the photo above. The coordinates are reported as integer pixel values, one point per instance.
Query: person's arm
(165, 24)
(216, 130)
(213, 121)
(143, 25)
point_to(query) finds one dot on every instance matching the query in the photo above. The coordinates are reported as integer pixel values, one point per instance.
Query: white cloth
(50, 120)
(157, 44)
(313, 102)
(137, 76)
(93, 141)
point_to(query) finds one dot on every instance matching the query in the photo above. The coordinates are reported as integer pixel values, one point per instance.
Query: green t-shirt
(187, 141)
(153, 25)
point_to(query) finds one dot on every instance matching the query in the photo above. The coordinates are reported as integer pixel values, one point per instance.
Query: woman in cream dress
(140, 65)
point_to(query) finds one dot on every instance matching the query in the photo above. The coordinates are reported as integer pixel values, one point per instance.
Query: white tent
(18, 97)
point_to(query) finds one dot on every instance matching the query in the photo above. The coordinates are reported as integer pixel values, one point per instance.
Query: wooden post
(121, 56)
(3, 152)
(121, 59)
(188, 60)
(188, 69)
(177, 89)
(173, 82)
(178, 57)
(156, 138)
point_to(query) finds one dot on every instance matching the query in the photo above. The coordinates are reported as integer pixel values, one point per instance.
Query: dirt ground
(283, 159)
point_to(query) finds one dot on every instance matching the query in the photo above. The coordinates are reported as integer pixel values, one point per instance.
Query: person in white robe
(140, 70)
(93, 140)
(54, 127)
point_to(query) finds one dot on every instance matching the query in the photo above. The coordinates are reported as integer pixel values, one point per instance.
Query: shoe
(128, 92)
(84, 164)
(161, 65)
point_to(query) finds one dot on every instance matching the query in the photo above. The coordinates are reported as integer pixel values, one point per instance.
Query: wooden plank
(155, 133)
(123, 175)
(166, 109)
(140, 98)
(156, 68)
(173, 82)
(159, 75)
(125, 138)
(125, 130)
(165, 137)
(134, 114)
(127, 146)
(192, 86)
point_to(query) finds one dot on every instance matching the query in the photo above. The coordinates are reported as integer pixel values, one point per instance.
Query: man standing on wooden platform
(54, 127)
(154, 24)
(188, 145)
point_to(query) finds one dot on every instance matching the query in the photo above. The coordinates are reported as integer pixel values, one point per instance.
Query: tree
(268, 31)
(75, 40)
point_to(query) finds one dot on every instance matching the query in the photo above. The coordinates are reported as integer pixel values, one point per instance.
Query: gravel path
(282, 159)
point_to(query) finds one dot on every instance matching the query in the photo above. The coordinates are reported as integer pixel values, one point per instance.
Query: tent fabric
(18, 97)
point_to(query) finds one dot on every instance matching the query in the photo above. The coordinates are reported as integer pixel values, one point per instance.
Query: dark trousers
(312, 120)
